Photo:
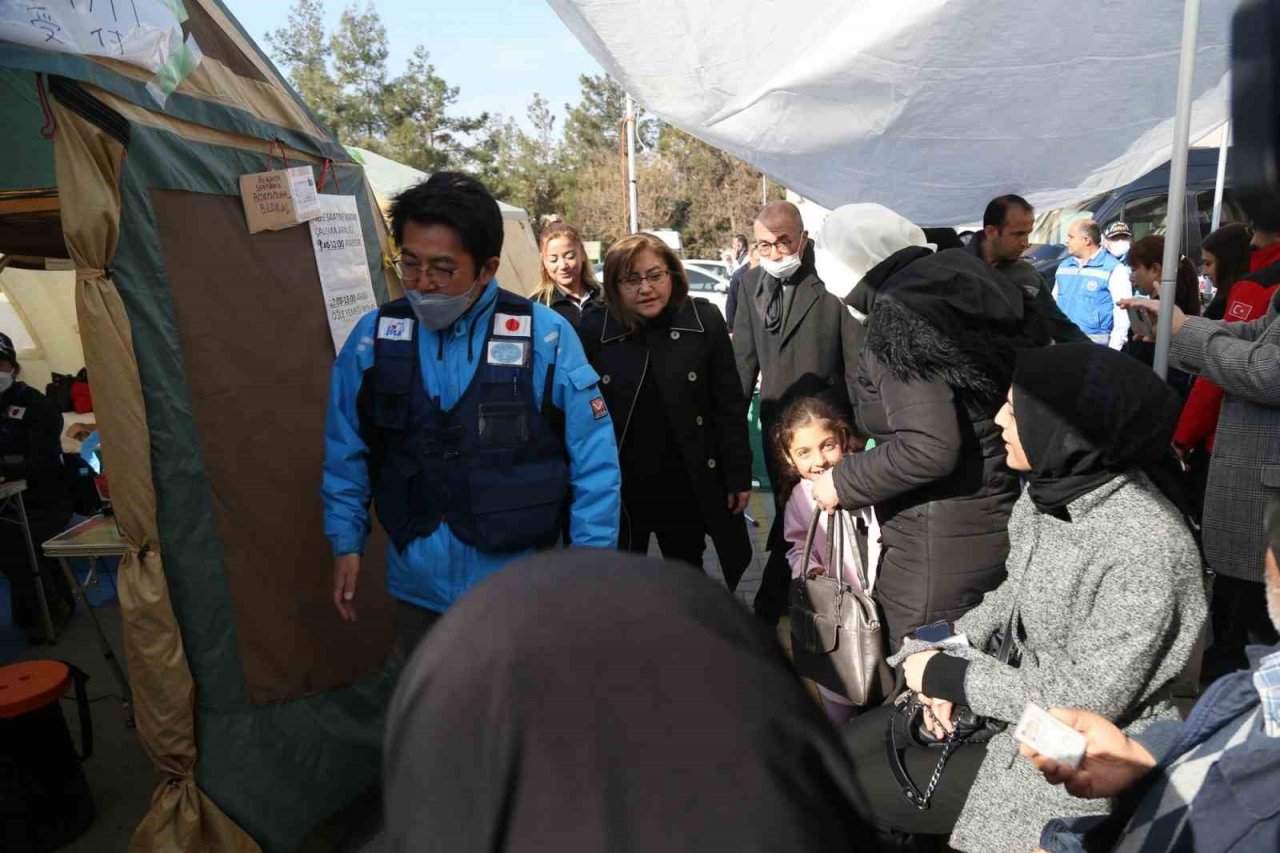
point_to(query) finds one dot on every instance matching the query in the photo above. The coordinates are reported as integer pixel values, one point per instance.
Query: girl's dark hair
(794, 417)
(1231, 251)
(1149, 251)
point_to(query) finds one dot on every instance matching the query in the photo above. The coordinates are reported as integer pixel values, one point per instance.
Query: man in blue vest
(467, 414)
(1089, 283)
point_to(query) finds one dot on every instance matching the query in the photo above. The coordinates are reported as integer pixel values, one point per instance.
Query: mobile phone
(1140, 323)
(935, 632)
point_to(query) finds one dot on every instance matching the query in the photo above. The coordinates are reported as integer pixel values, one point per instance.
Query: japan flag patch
(513, 325)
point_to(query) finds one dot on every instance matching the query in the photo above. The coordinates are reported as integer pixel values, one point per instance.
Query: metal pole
(764, 189)
(1222, 178)
(1177, 187)
(633, 195)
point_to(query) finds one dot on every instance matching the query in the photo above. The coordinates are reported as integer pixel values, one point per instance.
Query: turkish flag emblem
(1238, 311)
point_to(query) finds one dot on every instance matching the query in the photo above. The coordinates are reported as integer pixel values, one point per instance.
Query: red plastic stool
(45, 800)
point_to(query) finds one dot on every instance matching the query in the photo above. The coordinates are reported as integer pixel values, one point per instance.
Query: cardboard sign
(279, 199)
(338, 242)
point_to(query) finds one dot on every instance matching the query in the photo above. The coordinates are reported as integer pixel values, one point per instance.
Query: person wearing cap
(31, 450)
(1117, 239)
(1089, 283)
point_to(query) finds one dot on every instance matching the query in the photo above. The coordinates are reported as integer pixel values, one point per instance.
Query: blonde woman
(568, 278)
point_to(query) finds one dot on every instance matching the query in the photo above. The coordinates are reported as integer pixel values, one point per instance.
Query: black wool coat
(692, 363)
(814, 354)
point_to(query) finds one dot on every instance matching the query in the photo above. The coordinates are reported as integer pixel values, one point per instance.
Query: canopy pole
(633, 195)
(1222, 178)
(1177, 187)
(764, 189)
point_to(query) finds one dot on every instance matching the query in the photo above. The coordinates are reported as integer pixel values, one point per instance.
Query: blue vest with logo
(1084, 293)
(493, 467)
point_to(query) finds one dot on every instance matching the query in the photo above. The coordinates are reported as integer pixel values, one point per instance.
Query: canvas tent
(208, 351)
(930, 108)
(521, 261)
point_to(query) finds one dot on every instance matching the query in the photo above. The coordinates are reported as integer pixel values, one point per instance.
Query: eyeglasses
(782, 244)
(412, 270)
(654, 277)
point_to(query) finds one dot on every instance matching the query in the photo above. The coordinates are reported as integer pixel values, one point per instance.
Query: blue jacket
(1238, 805)
(1084, 293)
(434, 571)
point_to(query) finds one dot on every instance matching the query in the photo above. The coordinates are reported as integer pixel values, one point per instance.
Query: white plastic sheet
(929, 107)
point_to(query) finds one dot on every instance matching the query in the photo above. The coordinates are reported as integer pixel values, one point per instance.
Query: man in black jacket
(31, 450)
(1005, 236)
(799, 341)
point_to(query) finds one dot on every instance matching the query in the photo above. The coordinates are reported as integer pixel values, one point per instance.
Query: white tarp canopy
(929, 107)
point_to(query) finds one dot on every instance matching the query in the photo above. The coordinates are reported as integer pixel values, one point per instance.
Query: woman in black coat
(942, 330)
(568, 281)
(667, 373)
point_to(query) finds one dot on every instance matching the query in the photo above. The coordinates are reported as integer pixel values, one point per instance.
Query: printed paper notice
(344, 267)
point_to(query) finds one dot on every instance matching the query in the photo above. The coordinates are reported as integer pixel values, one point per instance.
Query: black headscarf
(1087, 413)
(863, 295)
(589, 700)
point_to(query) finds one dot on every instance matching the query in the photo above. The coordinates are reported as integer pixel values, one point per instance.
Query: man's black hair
(997, 212)
(458, 201)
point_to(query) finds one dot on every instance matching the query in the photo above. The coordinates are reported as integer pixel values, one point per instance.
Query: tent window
(14, 324)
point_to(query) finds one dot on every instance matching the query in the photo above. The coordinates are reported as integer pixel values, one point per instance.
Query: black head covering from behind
(590, 701)
(1087, 413)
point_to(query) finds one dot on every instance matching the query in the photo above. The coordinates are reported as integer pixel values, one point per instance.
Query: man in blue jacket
(1089, 283)
(1216, 783)
(468, 415)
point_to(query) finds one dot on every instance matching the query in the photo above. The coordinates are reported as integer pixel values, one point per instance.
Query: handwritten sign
(279, 199)
(147, 33)
(338, 242)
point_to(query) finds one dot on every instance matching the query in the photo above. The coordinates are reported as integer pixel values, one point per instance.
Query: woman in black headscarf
(1104, 599)
(592, 701)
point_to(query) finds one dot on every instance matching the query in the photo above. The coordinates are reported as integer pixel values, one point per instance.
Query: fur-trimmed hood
(948, 317)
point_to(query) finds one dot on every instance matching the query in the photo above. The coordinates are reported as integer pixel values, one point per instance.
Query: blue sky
(498, 52)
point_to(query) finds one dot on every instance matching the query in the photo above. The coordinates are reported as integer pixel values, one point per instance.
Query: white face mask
(1119, 248)
(782, 268)
(6, 380)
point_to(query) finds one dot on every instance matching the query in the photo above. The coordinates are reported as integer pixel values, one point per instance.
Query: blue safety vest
(493, 467)
(1084, 292)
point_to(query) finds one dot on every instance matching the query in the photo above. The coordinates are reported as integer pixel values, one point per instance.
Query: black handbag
(907, 730)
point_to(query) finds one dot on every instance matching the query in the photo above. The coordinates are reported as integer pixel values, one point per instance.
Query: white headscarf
(862, 235)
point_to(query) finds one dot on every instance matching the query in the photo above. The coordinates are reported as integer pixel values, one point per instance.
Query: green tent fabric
(288, 701)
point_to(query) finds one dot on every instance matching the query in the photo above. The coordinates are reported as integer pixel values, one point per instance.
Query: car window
(699, 280)
(1231, 210)
(1146, 215)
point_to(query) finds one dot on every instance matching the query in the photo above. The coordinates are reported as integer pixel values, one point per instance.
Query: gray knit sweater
(1111, 603)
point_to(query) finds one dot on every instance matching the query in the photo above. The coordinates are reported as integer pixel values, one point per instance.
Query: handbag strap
(836, 541)
(919, 799)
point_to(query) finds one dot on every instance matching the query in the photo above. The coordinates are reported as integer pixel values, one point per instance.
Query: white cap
(862, 235)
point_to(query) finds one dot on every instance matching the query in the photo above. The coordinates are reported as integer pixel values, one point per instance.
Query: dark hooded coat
(593, 701)
(942, 331)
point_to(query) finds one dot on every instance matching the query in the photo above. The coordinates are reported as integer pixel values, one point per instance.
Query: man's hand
(738, 501)
(1112, 761)
(1152, 308)
(913, 669)
(346, 569)
(824, 491)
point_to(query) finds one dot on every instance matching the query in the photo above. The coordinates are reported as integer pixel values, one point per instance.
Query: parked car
(719, 269)
(1144, 206)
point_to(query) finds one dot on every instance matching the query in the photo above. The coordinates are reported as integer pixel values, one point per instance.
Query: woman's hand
(937, 716)
(1152, 309)
(1112, 761)
(913, 669)
(738, 501)
(824, 491)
